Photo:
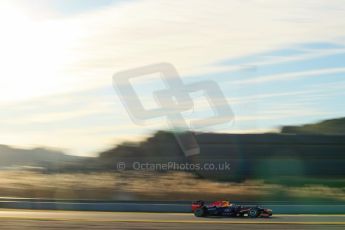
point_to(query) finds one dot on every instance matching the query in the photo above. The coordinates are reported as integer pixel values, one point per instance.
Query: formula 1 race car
(225, 208)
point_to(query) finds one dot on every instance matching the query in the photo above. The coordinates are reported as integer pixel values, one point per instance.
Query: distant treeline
(331, 127)
(306, 151)
(250, 155)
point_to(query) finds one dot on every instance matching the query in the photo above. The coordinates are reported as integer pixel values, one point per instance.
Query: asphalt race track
(34, 219)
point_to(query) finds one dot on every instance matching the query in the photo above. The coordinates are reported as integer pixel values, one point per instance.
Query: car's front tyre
(253, 213)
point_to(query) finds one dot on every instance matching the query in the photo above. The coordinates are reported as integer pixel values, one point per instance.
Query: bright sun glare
(34, 54)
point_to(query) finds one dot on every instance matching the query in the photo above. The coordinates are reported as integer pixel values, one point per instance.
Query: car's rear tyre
(200, 212)
(253, 213)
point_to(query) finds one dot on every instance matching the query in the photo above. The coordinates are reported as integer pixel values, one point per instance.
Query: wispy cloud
(85, 49)
(290, 76)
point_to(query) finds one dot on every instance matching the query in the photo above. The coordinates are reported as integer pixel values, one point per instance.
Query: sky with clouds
(277, 62)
